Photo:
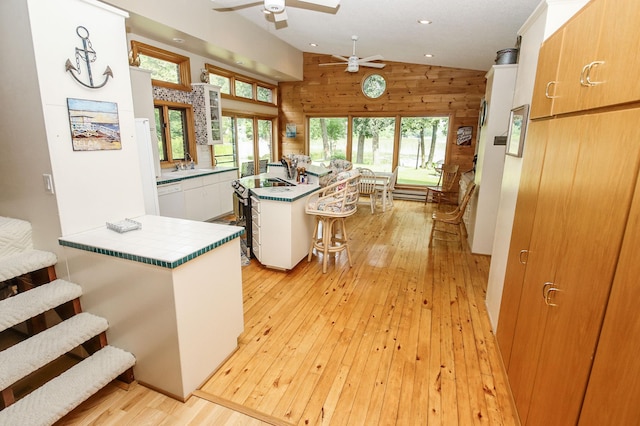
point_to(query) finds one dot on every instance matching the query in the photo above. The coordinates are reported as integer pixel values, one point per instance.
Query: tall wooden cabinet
(572, 215)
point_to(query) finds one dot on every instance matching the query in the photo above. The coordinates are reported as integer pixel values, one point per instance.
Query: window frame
(255, 83)
(191, 143)
(183, 62)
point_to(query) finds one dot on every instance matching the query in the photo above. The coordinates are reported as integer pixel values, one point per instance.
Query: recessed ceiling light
(428, 55)
(239, 63)
(424, 21)
(313, 44)
(178, 40)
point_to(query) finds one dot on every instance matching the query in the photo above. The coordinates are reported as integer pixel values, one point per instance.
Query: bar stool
(330, 206)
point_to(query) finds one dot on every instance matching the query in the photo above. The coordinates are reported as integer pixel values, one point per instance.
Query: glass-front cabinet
(210, 116)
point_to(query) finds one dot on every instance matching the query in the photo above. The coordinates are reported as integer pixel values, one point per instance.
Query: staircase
(27, 276)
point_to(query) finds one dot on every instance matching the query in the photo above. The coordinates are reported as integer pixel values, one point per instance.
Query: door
(585, 194)
(599, 202)
(546, 76)
(543, 257)
(521, 234)
(618, 50)
(579, 48)
(613, 391)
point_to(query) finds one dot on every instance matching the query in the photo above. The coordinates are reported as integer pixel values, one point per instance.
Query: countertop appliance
(242, 200)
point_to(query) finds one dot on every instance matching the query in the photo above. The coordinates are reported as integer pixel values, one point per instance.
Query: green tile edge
(149, 260)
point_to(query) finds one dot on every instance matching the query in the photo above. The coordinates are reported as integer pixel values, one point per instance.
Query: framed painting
(517, 130)
(94, 125)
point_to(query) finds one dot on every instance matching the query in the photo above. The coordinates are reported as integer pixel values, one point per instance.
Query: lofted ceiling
(462, 34)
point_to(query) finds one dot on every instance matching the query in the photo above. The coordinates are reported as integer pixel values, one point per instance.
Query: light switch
(48, 183)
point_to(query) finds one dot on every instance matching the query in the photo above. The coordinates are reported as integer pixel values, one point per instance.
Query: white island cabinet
(281, 229)
(171, 291)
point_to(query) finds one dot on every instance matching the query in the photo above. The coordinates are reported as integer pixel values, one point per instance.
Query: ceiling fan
(274, 7)
(354, 63)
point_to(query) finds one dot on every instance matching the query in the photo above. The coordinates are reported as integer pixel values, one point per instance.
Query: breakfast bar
(171, 291)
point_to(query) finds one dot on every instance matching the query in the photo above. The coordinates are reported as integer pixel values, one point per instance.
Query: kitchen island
(280, 228)
(171, 291)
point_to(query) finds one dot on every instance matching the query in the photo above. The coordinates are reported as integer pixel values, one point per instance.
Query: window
(373, 141)
(176, 141)
(374, 85)
(222, 81)
(422, 148)
(250, 140)
(327, 138)
(168, 69)
(244, 89)
(417, 145)
(240, 87)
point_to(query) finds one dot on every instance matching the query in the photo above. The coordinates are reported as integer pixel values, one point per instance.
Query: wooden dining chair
(446, 184)
(391, 187)
(454, 217)
(368, 186)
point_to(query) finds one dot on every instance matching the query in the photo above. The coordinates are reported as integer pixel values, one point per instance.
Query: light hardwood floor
(403, 337)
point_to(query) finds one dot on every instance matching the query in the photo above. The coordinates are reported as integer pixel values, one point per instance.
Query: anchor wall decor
(87, 55)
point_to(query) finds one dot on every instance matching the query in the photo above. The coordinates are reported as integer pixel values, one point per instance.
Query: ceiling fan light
(274, 6)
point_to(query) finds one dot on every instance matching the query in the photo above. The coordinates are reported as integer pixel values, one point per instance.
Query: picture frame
(94, 125)
(517, 130)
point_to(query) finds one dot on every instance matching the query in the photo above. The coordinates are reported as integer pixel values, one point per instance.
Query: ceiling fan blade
(326, 3)
(371, 58)
(230, 5)
(341, 58)
(280, 16)
(332, 63)
(372, 64)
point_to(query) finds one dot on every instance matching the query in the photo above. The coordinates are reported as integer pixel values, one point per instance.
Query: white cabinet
(208, 113)
(198, 198)
(281, 232)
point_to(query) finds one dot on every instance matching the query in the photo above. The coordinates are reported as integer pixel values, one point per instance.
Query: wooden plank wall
(411, 90)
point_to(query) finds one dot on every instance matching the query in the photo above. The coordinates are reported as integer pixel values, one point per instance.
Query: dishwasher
(171, 200)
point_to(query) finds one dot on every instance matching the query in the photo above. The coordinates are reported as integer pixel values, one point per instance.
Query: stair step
(23, 306)
(56, 398)
(24, 262)
(24, 358)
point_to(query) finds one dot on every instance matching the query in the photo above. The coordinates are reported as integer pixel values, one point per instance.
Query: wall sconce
(204, 75)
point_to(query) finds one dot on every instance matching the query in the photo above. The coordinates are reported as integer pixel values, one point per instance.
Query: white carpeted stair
(57, 397)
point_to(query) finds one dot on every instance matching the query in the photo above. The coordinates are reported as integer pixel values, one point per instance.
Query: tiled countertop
(162, 241)
(283, 193)
(180, 175)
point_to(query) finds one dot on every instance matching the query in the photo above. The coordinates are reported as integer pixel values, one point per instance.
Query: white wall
(225, 34)
(91, 187)
(544, 21)
(25, 154)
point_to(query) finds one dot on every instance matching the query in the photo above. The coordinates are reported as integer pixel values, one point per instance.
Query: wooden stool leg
(345, 238)
(314, 239)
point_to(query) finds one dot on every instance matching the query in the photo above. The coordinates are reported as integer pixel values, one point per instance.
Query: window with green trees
(168, 69)
(417, 146)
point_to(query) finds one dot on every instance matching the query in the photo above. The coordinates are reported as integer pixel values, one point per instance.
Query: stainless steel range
(242, 198)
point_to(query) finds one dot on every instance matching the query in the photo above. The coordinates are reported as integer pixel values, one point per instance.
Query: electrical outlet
(48, 183)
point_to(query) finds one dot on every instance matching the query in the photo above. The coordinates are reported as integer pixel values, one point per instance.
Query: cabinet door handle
(582, 76)
(588, 73)
(547, 291)
(520, 258)
(546, 90)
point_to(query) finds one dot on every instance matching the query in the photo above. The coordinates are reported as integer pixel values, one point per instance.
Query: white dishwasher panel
(171, 200)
